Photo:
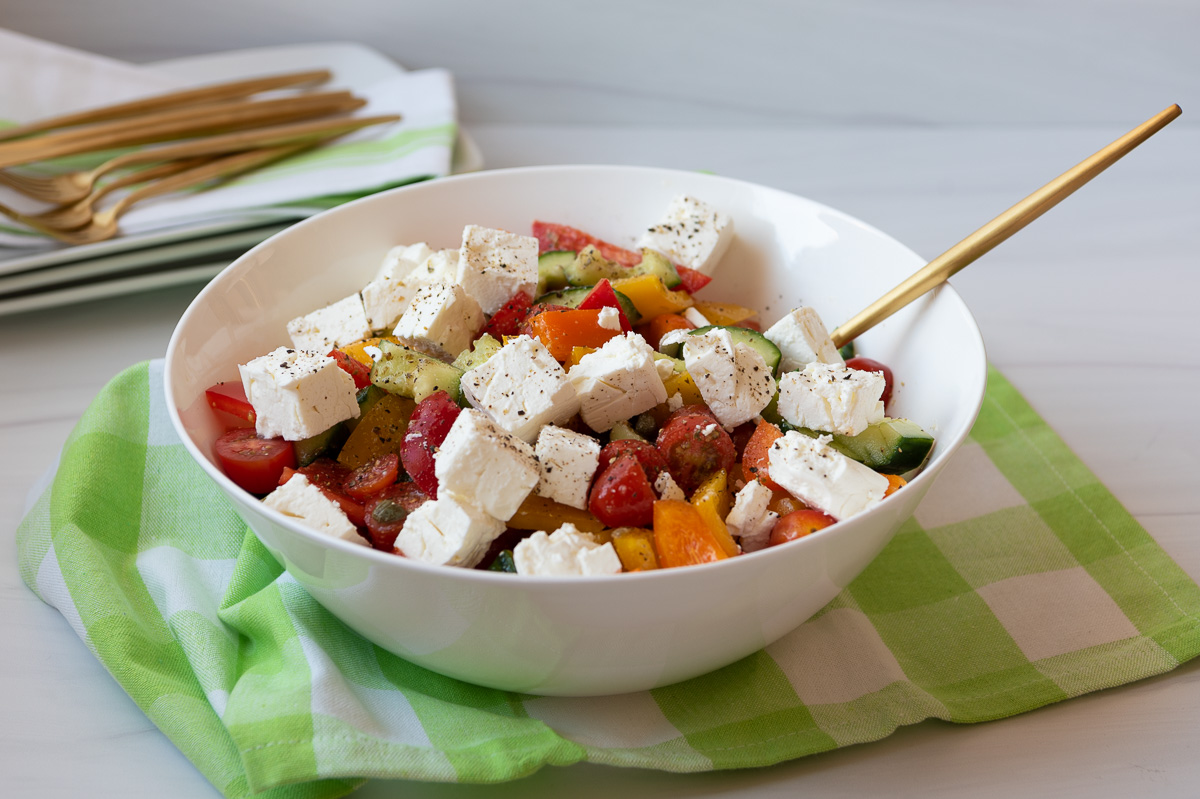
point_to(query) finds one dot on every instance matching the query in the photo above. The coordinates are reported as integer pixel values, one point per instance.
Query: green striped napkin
(1021, 581)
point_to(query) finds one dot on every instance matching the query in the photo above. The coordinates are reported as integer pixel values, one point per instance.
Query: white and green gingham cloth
(1021, 581)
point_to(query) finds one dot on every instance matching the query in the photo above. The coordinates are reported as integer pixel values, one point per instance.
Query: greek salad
(553, 404)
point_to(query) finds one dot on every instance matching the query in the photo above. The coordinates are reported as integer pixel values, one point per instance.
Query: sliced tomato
(870, 365)
(602, 295)
(798, 524)
(651, 460)
(230, 398)
(427, 429)
(693, 281)
(507, 320)
(372, 477)
(356, 369)
(622, 496)
(254, 463)
(756, 457)
(695, 446)
(387, 511)
(552, 237)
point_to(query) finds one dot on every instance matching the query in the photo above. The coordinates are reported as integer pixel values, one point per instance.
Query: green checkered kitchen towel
(1021, 581)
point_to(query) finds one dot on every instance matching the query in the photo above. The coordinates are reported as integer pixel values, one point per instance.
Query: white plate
(353, 65)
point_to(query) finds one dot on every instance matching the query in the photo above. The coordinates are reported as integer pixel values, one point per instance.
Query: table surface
(1090, 312)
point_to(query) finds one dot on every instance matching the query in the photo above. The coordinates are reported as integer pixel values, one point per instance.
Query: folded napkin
(57, 79)
(1020, 582)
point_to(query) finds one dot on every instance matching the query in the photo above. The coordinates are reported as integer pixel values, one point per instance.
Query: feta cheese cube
(568, 462)
(442, 320)
(802, 338)
(302, 500)
(666, 487)
(493, 265)
(384, 300)
(337, 325)
(448, 531)
(485, 465)
(521, 388)
(610, 318)
(732, 377)
(565, 553)
(692, 234)
(749, 520)
(831, 398)
(297, 394)
(822, 477)
(438, 267)
(695, 317)
(402, 260)
(617, 381)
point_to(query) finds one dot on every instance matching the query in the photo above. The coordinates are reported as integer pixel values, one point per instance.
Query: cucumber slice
(621, 431)
(590, 267)
(324, 443)
(475, 355)
(847, 351)
(655, 263)
(551, 269)
(751, 338)
(893, 446)
(570, 298)
(407, 373)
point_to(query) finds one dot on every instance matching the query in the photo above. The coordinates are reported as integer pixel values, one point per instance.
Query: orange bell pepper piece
(659, 326)
(357, 350)
(561, 331)
(681, 538)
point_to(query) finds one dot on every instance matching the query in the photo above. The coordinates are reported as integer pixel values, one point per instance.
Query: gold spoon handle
(1006, 224)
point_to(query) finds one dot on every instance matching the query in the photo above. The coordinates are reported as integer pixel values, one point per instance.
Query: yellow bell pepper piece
(682, 383)
(577, 354)
(539, 513)
(713, 502)
(724, 313)
(651, 297)
(357, 350)
(635, 548)
(380, 431)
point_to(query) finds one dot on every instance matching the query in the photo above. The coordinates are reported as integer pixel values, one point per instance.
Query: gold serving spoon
(1006, 224)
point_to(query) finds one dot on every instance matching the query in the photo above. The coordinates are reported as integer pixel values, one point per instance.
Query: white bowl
(599, 635)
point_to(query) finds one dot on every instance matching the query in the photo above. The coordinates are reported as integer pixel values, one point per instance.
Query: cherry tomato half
(695, 446)
(355, 368)
(622, 496)
(254, 463)
(798, 524)
(372, 477)
(869, 365)
(427, 429)
(651, 460)
(230, 398)
(386, 512)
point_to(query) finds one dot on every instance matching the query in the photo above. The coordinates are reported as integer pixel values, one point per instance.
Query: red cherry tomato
(695, 446)
(693, 281)
(230, 398)
(372, 477)
(651, 460)
(869, 365)
(509, 317)
(427, 429)
(622, 496)
(254, 463)
(386, 512)
(356, 369)
(330, 476)
(798, 524)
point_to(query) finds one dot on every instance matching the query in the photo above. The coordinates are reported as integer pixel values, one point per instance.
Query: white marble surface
(924, 118)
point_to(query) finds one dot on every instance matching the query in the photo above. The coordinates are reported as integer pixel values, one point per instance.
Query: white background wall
(770, 62)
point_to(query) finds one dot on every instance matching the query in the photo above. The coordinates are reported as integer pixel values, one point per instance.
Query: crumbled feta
(373, 352)
(672, 337)
(441, 321)
(692, 234)
(493, 265)
(297, 394)
(610, 318)
(695, 317)
(665, 367)
(485, 465)
(675, 402)
(732, 377)
(750, 521)
(565, 553)
(449, 532)
(568, 462)
(802, 338)
(521, 388)
(666, 487)
(617, 381)
(822, 477)
(337, 325)
(832, 398)
(302, 500)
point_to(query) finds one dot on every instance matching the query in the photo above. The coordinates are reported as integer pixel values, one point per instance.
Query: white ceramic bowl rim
(945, 446)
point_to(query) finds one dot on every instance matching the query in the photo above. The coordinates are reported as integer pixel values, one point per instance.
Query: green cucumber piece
(551, 269)
(892, 446)
(751, 338)
(655, 263)
(504, 562)
(621, 431)
(571, 297)
(484, 347)
(323, 443)
(407, 373)
(590, 267)
(847, 351)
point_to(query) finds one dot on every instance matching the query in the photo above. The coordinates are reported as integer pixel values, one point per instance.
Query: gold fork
(71, 187)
